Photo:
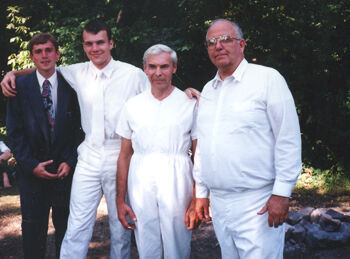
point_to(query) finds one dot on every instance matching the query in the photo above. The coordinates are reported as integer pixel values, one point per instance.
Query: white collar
(52, 79)
(237, 74)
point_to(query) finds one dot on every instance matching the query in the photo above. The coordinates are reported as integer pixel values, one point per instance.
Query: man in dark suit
(43, 127)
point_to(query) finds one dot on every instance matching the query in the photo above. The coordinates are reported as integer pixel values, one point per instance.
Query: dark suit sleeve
(76, 136)
(16, 137)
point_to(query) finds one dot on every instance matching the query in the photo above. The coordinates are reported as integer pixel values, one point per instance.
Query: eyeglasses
(223, 39)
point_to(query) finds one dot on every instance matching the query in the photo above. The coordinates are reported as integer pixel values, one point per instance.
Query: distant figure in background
(6, 166)
(154, 166)
(42, 128)
(249, 149)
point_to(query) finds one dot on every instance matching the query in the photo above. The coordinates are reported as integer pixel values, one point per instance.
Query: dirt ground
(204, 244)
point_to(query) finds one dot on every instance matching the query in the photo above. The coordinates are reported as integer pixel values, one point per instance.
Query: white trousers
(94, 176)
(159, 196)
(240, 231)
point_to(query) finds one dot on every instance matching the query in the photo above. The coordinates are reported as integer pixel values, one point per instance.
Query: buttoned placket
(222, 87)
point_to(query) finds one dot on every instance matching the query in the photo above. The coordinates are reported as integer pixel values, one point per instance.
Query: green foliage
(333, 180)
(17, 23)
(307, 41)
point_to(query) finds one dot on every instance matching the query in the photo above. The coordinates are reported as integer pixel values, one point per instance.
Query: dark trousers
(37, 197)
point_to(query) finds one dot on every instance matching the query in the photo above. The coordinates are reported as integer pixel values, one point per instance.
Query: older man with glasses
(249, 149)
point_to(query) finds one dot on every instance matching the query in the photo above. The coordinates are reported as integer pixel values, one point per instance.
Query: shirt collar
(107, 71)
(52, 79)
(237, 74)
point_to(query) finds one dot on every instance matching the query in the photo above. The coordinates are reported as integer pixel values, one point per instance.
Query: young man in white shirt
(102, 85)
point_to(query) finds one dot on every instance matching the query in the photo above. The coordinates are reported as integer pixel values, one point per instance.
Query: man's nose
(94, 46)
(218, 44)
(158, 71)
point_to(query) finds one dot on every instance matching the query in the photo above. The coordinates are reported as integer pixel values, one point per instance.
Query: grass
(324, 182)
(322, 188)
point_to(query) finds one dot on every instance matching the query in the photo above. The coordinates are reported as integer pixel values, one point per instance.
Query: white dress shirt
(248, 133)
(102, 94)
(54, 84)
(3, 147)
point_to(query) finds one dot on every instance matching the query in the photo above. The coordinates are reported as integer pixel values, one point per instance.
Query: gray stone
(288, 230)
(298, 233)
(328, 223)
(334, 214)
(316, 214)
(337, 215)
(303, 222)
(306, 212)
(294, 217)
(318, 238)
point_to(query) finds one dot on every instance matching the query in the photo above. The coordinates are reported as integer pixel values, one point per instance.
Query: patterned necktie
(48, 105)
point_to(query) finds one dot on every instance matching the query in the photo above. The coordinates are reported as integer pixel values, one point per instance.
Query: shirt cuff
(202, 191)
(282, 188)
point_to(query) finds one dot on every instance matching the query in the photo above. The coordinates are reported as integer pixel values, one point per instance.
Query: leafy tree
(307, 41)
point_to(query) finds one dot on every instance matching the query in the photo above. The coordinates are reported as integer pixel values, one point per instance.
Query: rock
(318, 238)
(337, 215)
(288, 230)
(328, 223)
(306, 212)
(303, 222)
(298, 233)
(316, 214)
(294, 217)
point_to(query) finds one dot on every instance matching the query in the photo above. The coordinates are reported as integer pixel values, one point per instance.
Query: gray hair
(235, 25)
(158, 49)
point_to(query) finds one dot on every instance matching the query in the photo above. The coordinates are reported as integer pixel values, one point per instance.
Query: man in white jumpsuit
(154, 166)
(103, 85)
(249, 149)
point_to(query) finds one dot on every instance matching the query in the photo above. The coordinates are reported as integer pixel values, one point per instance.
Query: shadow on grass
(11, 244)
(13, 191)
(313, 197)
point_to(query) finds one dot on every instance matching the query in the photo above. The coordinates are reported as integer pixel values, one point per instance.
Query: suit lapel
(63, 99)
(37, 105)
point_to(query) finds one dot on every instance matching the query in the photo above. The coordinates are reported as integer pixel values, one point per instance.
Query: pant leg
(175, 192)
(35, 213)
(235, 218)
(120, 237)
(86, 194)
(142, 196)
(60, 191)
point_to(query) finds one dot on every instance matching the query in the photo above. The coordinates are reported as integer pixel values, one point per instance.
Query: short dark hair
(42, 38)
(96, 26)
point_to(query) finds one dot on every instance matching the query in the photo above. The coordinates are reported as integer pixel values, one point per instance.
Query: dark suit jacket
(28, 130)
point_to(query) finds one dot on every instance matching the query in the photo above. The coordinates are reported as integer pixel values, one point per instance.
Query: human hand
(191, 92)
(8, 84)
(202, 209)
(12, 161)
(191, 218)
(277, 207)
(124, 210)
(63, 170)
(40, 171)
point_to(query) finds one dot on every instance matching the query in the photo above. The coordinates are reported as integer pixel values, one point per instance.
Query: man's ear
(174, 68)
(111, 44)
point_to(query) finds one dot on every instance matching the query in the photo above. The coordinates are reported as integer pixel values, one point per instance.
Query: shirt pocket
(239, 117)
